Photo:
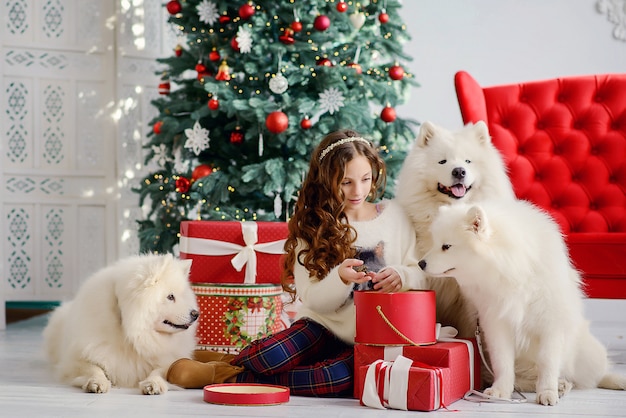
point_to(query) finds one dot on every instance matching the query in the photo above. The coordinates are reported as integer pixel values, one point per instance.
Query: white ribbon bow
(244, 254)
(395, 384)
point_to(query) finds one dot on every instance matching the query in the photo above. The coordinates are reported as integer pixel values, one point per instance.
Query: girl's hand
(348, 274)
(387, 280)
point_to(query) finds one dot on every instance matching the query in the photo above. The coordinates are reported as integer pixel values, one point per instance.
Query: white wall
(507, 41)
(499, 42)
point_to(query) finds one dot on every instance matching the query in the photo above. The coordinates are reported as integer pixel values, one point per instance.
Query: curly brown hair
(319, 222)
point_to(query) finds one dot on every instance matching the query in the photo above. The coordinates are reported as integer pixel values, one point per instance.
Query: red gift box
(460, 356)
(404, 384)
(395, 318)
(232, 316)
(233, 252)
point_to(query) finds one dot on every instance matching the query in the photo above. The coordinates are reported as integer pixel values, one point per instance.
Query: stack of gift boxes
(235, 274)
(410, 367)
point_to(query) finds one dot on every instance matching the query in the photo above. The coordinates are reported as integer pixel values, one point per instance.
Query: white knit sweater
(385, 241)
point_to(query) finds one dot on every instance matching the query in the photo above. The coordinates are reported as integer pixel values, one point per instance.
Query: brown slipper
(207, 355)
(192, 374)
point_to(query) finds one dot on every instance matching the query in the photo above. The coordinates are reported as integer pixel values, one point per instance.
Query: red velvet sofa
(564, 144)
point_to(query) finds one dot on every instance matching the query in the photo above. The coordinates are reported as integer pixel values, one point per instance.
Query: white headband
(341, 142)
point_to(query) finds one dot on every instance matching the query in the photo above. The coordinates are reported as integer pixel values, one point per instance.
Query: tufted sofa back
(564, 143)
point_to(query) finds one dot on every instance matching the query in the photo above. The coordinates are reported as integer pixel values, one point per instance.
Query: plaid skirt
(306, 357)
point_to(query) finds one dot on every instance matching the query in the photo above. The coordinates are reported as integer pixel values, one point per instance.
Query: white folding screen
(77, 77)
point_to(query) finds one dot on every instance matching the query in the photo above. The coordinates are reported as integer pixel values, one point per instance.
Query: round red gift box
(404, 318)
(246, 394)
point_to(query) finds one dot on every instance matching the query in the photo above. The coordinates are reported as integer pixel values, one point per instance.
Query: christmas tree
(250, 93)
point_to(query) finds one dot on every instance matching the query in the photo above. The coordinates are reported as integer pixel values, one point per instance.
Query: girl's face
(357, 183)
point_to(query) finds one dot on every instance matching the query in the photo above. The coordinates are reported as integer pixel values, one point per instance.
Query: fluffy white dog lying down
(127, 324)
(511, 262)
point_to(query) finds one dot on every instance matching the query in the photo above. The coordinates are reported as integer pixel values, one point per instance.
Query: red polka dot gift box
(233, 252)
(232, 316)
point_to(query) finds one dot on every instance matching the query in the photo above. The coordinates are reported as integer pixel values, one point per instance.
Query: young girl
(338, 241)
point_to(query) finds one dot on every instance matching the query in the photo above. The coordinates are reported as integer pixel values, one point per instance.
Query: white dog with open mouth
(127, 324)
(447, 168)
(510, 260)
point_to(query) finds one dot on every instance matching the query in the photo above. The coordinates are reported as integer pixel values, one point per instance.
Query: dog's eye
(445, 247)
(468, 161)
(171, 297)
(442, 162)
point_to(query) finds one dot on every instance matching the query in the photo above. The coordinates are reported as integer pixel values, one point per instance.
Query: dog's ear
(426, 133)
(186, 265)
(476, 221)
(482, 132)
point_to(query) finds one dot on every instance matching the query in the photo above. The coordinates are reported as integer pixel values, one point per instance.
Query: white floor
(28, 390)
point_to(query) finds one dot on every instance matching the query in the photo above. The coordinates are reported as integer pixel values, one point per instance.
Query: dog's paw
(564, 387)
(153, 386)
(498, 393)
(548, 397)
(97, 385)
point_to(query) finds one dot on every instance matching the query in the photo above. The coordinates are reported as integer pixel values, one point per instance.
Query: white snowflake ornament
(244, 40)
(197, 138)
(207, 12)
(331, 100)
(160, 154)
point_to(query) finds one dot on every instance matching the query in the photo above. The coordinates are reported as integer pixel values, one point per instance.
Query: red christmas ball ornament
(200, 171)
(296, 26)
(178, 51)
(277, 122)
(182, 184)
(214, 55)
(236, 136)
(356, 66)
(173, 7)
(200, 68)
(156, 128)
(388, 114)
(164, 88)
(325, 62)
(383, 17)
(306, 123)
(396, 72)
(246, 11)
(213, 104)
(224, 19)
(234, 44)
(342, 6)
(321, 22)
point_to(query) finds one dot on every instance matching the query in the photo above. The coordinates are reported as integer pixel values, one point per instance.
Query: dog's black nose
(458, 172)
(422, 264)
(194, 314)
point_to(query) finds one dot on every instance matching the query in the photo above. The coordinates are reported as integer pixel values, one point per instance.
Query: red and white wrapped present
(233, 252)
(232, 316)
(457, 362)
(404, 384)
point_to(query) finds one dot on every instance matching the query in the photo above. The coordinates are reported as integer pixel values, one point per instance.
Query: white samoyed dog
(127, 324)
(445, 168)
(511, 262)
